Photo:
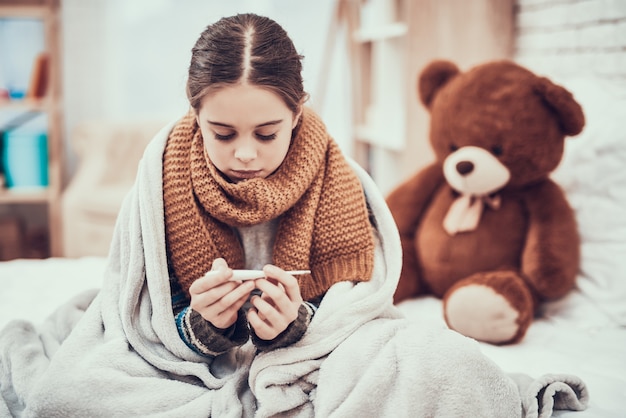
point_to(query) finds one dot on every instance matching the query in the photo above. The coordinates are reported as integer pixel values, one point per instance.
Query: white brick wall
(564, 38)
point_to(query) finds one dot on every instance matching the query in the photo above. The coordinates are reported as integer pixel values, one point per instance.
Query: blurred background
(85, 84)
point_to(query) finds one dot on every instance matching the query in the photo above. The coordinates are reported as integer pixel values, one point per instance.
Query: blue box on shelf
(25, 154)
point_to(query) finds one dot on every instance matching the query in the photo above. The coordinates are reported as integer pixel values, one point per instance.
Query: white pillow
(593, 175)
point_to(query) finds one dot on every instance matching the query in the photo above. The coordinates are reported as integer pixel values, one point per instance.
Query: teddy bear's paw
(477, 311)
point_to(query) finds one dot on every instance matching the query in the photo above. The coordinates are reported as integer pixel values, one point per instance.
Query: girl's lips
(246, 174)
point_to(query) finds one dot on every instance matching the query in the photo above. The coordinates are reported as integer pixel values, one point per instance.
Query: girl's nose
(246, 152)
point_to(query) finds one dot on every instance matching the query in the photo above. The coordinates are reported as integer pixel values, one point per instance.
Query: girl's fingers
(261, 328)
(216, 302)
(268, 319)
(266, 311)
(219, 273)
(238, 296)
(219, 263)
(265, 328)
(272, 292)
(288, 282)
(222, 296)
(212, 279)
(226, 318)
(215, 283)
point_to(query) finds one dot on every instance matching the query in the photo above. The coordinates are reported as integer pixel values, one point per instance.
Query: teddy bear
(483, 227)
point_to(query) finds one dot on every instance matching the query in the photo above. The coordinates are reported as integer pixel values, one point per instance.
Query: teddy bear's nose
(464, 167)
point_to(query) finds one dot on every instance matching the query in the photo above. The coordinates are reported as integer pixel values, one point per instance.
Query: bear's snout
(464, 167)
(475, 171)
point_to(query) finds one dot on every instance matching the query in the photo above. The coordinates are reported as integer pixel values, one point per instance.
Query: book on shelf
(23, 149)
(38, 85)
(22, 42)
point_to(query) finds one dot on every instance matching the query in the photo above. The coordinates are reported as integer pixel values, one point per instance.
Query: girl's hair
(246, 48)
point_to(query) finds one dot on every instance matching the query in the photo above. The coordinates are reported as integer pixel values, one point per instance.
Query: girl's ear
(296, 117)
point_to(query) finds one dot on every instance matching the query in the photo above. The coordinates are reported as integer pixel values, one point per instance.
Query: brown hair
(246, 48)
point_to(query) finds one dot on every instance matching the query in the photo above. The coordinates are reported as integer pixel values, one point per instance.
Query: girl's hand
(216, 298)
(278, 305)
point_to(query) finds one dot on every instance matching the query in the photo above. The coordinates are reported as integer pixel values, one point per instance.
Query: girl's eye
(222, 137)
(266, 137)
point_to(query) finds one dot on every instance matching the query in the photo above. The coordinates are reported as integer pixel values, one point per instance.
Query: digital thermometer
(258, 274)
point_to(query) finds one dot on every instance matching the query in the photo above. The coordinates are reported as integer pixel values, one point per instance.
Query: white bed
(583, 334)
(573, 336)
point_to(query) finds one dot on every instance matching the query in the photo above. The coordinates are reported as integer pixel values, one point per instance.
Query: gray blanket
(117, 352)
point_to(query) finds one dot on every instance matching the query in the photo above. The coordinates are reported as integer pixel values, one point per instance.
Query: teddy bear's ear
(569, 113)
(432, 78)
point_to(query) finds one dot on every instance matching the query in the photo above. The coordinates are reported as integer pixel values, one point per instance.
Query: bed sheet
(34, 289)
(571, 336)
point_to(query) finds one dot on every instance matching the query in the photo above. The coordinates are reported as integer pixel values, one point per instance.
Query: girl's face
(246, 130)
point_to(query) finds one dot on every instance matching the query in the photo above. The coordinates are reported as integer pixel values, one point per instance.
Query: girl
(252, 179)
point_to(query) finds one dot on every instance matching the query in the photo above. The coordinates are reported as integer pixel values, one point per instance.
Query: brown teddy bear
(484, 227)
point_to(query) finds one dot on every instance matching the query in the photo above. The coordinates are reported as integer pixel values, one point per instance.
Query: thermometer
(258, 274)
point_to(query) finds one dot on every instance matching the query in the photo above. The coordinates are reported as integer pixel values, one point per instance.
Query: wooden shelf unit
(378, 54)
(48, 11)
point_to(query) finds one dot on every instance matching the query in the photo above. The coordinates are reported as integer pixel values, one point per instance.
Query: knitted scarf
(324, 225)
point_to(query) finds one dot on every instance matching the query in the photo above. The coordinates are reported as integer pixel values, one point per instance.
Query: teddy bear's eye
(497, 150)
(453, 147)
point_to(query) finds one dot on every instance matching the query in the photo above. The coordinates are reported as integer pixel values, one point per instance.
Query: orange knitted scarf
(324, 225)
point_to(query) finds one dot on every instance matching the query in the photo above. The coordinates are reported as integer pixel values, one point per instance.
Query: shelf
(40, 105)
(391, 138)
(51, 104)
(381, 33)
(29, 10)
(13, 3)
(34, 195)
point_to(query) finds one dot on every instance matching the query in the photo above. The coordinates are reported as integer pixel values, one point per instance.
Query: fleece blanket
(116, 352)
